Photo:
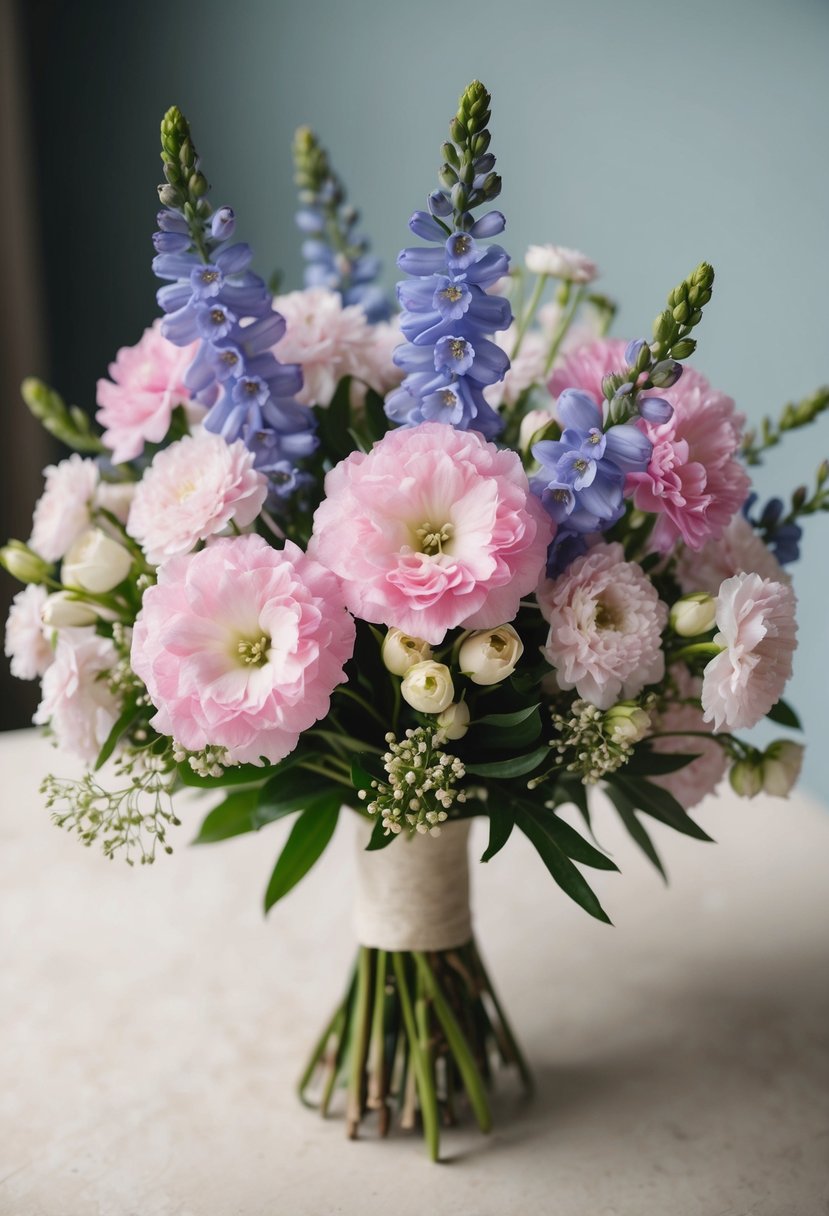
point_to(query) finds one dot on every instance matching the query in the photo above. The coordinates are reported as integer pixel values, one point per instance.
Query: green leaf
(516, 766)
(296, 789)
(365, 768)
(573, 843)
(659, 804)
(380, 839)
(562, 869)
(124, 721)
(635, 829)
(232, 817)
(520, 715)
(333, 423)
(647, 763)
(375, 416)
(306, 843)
(783, 714)
(501, 823)
(520, 734)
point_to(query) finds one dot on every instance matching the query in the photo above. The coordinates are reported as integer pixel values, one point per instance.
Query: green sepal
(783, 714)
(306, 843)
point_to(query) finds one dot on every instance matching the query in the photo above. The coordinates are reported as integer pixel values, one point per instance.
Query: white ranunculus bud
(782, 761)
(23, 563)
(627, 722)
(561, 263)
(95, 562)
(428, 687)
(400, 651)
(694, 614)
(454, 721)
(61, 611)
(746, 778)
(490, 655)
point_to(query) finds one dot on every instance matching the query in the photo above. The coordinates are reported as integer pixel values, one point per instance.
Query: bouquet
(474, 557)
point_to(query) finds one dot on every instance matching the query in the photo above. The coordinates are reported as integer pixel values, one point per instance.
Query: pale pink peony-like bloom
(192, 490)
(327, 339)
(145, 386)
(63, 510)
(701, 777)
(27, 639)
(431, 529)
(738, 551)
(371, 362)
(561, 262)
(757, 627)
(694, 482)
(605, 621)
(241, 645)
(77, 703)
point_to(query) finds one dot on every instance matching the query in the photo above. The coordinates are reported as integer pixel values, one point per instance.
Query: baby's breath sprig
(590, 742)
(422, 783)
(210, 762)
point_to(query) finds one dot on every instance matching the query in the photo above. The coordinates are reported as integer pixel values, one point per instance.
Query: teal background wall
(650, 135)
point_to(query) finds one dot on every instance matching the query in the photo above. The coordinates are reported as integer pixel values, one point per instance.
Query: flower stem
(529, 313)
(561, 332)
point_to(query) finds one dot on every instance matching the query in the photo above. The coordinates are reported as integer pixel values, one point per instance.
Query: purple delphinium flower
(782, 538)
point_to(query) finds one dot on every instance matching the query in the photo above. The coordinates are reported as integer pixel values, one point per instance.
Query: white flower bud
(428, 687)
(95, 562)
(561, 263)
(400, 652)
(61, 611)
(746, 778)
(531, 425)
(454, 721)
(23, 563)
(782, 761)
(490, 655)
(694, 614)
(627, 722)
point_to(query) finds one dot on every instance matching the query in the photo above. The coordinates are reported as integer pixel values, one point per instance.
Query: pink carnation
(701, 777)
(739, 550)
(605, 622)
(371, 362)
(27, 639)
(431, 529)
(757, 627)
(694, 481)
(240, 646)
(63, 510)
(146, 385)
(77, 703)
(191, 491)
(327, 339)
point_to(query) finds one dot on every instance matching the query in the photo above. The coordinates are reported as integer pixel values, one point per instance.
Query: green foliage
(304, 846)
(783, 714)
(69, 424)
(658, 803)
(794, 415)
(543, 829)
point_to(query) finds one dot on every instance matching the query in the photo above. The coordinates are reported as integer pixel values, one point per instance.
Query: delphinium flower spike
(212, 296)
(336, 256)
(447, 315)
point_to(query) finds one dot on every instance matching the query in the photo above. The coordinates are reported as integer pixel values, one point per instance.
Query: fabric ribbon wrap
(414, 894)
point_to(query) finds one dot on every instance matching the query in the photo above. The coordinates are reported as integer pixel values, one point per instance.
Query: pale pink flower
(63, 510)
(77, 702)
(757, 627)
(145, 386)
(371, 362)
(528, 368)
(27, 639)
(240, 646)
(431, 529)
(115, 497)
(586, 366)
(561, 263)
(605, 621)
(738, 551)
(327, 339)
(192, 490)
(701, 777)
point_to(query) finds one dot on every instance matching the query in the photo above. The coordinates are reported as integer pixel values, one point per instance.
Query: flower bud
(532, 426)
(694, 614)
(95, 562)
(428, 687)
(454, 720)
(400, 652)
(626, 722)
(656, 410)
(23, 563)
(782, 761)
(665, 373)
(62, 611)
(223, 223)
(490, 655)
(746, 778)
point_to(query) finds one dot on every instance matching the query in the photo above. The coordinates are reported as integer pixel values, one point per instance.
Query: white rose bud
(746, 778)
(490, 655)
(454, 721)
(428, 687)
(400, 652)
(23, 563)
(95, 562)
(694, 614)
(627, 723)
(61, 611)
(782, 761)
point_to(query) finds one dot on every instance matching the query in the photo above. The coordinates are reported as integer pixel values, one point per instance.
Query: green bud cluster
(185, 186)
(683, 313)
(69, 424)
(793, 416)
(806, 503)
(466, 156)
(313, 172)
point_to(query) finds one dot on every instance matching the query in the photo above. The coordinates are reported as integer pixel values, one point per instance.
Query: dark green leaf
(562, 869)
(239, 774)
(380, 839)
(333, 423)
(572, 842)
(783, 714)
(501, 823)
(635, 828)
(516, 766)
(659, 804)
(232, 817)
(647, 763)
(520, 715)
(306, 843)
(365, 768)
(125, 720)
(296, 789)
(375, 416)
(521, 734)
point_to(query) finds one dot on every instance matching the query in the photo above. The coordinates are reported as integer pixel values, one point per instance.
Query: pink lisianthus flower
(145, 386)
(64, 508)
(192, 490)
(432, 529)
(328, 339)
(701, 777)
(27, 638)
(757, 628)
(694, 482)
(77, 702)
(738, 551)
(605, 621)
(240, 646)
